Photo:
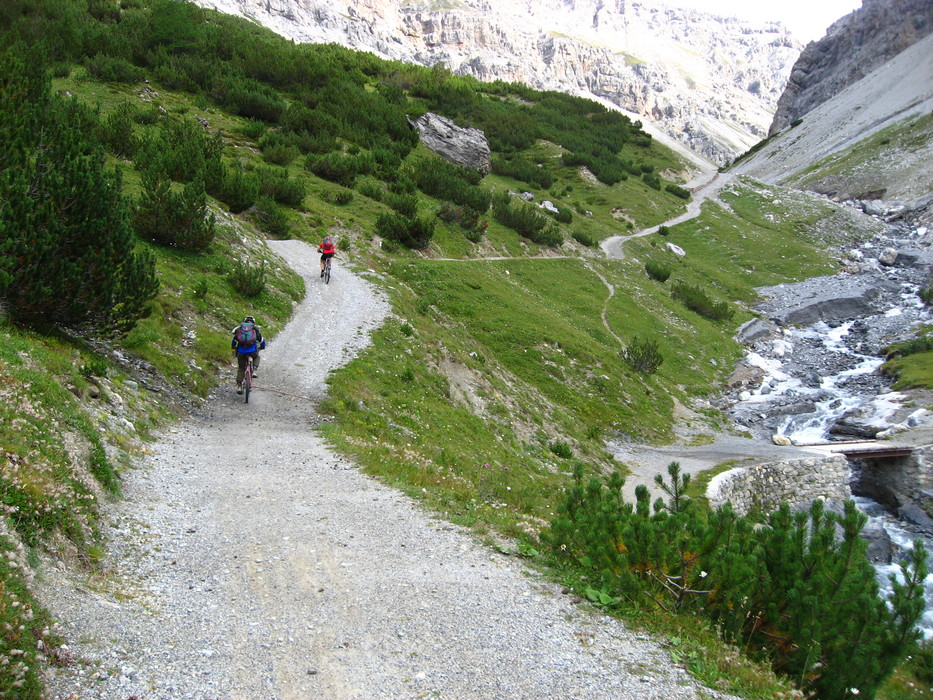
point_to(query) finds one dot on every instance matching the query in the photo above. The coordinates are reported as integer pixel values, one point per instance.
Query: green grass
(504, 358)
(490, 382)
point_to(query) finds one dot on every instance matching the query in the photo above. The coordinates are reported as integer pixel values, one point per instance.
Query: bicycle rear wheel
(327, 272)
(247, 381)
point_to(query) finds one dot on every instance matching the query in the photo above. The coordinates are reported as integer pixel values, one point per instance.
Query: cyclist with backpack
(327, 249)
(246, 343)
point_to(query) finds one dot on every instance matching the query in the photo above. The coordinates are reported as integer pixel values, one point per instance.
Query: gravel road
(247, 560)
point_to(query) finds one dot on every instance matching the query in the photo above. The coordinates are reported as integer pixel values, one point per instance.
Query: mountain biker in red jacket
(247, 342)
(327, 249)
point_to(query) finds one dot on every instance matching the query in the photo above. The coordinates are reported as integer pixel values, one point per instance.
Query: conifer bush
(526, 220)
(677, 191)
(404, 204)
(183, 150)
(67, 252)
(249, 280)
(643, 355)
(410, 232)
(799, 591)
(240, 189)
(117, 130)
(657, 271)
(113, 69)
(697, 300)
(652, 180)
(271, 218)
(277, 184)
(584, 238)
(178, 218)
(342, 168)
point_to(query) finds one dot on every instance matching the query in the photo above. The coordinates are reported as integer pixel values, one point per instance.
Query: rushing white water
(903, 542)
(813, 427)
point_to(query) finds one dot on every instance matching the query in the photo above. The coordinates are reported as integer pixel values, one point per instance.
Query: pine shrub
(657, 271)
(178, 219)
(643, 355)
(677, 191)
(799, 592)
(68, 253)
(585, 238)
(410, 232)
(117, 130)
(271, 218)
(695, 299)
(240, 190)
(248, 280)
(113, 69)
(526, 220)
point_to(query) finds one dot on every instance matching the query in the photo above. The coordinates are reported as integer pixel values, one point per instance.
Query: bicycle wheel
(327, 272)
(247, 381)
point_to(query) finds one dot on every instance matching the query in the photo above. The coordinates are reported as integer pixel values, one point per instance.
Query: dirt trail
(708, 188)
(250, 561)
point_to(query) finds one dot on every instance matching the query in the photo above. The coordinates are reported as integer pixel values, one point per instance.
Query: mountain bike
(327, 271)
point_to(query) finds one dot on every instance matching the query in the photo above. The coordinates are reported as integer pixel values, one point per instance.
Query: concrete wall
(798, 482)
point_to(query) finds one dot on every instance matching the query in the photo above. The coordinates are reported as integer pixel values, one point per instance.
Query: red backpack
(327, 246)
(245, 334)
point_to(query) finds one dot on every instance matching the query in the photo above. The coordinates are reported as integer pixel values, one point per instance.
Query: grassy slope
(467, 398)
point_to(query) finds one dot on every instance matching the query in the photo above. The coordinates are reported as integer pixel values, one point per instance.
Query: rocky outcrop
(853, 47)
(811, 302)
(710, 82)
(464, 146)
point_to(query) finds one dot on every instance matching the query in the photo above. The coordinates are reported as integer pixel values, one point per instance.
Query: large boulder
(462, 145)
(757, 329)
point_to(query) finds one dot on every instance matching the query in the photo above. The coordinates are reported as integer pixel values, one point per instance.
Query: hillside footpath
(248, 560)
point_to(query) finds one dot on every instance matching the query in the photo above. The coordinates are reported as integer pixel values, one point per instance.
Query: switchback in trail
(250, 561)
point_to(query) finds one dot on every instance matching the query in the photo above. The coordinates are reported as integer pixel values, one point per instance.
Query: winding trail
(248, 560)
(612, 246)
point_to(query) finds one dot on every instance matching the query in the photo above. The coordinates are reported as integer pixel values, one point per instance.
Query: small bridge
(864, 449)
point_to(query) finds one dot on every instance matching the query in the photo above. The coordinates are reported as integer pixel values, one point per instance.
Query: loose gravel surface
(248, 560)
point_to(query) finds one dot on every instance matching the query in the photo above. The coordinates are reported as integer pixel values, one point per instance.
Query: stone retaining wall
(798, 482)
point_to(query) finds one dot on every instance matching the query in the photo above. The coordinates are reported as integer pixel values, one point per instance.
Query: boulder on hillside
(464, 146)
(675, 249)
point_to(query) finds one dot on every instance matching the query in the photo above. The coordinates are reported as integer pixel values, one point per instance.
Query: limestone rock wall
(853, 47)
(797, 482)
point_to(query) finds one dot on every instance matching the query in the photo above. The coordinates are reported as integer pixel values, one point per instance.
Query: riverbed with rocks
(811, 368)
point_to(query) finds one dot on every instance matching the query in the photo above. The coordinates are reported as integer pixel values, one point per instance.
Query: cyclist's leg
(241, 366)
(255, 356)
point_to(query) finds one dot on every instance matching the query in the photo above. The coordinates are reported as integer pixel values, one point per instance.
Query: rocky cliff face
(853, 47)
(711, 83)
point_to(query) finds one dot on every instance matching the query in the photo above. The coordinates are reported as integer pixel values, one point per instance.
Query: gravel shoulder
(247, 560)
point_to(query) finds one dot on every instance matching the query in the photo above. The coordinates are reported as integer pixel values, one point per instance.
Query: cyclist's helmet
(249, 319)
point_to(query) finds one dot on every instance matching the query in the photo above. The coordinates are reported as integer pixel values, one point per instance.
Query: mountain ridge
(710, 82)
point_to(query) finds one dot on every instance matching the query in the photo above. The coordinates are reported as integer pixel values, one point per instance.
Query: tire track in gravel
(249, 561)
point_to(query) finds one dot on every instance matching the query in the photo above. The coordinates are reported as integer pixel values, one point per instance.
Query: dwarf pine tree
(67, 251)
(799, 591)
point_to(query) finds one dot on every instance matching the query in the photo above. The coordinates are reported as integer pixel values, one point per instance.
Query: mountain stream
(815, 365)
